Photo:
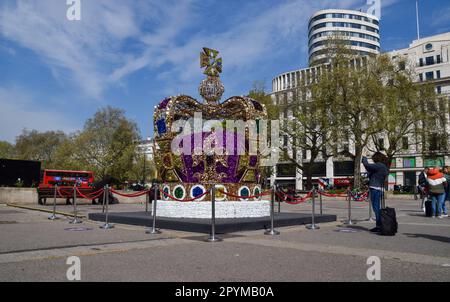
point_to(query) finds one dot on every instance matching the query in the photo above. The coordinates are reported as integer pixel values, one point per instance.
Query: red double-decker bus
(65, 180)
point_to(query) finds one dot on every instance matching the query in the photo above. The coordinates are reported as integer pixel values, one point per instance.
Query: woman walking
(437, 187)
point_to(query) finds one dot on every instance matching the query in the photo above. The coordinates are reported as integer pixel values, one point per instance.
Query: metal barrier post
(75, 219)
(349, 197)
(212, 237)
(107, 225)
(104, 199)
(53, 216)
(272, 231)
(313, 225)
(320, 200)
(155, 200)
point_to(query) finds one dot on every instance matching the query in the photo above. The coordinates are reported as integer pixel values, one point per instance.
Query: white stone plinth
(202, 209)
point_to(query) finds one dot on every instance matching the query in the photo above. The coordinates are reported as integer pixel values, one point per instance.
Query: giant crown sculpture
(190, 175)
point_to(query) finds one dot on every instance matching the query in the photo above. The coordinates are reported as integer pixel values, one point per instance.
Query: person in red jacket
(437, 185)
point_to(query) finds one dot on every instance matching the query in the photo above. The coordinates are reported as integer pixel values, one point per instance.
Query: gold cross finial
(209, 59)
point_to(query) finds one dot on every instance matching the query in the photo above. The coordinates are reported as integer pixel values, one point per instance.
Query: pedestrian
(437, 185)
(377, 172)
(447, 193)
(423, 187)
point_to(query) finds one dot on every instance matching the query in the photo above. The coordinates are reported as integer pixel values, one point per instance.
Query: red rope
(294, 200)
(361, 198)
(61, 193)
(183, 200)
(137, 194)
(323, 193)
(92, 197)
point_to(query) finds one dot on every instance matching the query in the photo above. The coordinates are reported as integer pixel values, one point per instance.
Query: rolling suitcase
(389, 225)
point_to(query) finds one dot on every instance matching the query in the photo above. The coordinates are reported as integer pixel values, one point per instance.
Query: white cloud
(84, 51)
(117, 38)
(19, 111)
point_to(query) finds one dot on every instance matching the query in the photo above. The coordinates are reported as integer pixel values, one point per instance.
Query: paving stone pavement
(34, 248)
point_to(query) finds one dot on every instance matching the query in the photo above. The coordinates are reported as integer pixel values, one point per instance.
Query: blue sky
(55, 73)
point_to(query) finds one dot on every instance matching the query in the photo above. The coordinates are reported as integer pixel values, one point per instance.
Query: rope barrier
(92, 197)
(61, 193)
(294, 199)
(137, 194)
(183, 200)
(359, 197)
(323, 193)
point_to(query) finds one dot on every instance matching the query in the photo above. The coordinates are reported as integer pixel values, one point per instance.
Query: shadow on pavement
(431, 237)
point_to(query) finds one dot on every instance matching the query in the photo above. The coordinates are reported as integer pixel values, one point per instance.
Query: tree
(403, 104)
(6, 150)
(307, 127)
(351, 86)
(41, 146)
(142, 169)
(106, 145)
(258, 92)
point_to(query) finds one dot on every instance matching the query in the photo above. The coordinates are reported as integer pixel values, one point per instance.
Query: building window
(405, 143)
(433, 143)
(438, 74)
(381, 144)
(429, 60)
(420, 62)
(438, 89)
(409, 162)
(421, 77)
(438, 59)
(429, 76)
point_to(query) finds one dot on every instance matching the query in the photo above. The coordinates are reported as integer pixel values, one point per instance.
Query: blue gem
(197, 191)
(161, 125)
(245, 192)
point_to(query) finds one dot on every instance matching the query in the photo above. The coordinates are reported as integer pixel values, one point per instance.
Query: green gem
(179, 192)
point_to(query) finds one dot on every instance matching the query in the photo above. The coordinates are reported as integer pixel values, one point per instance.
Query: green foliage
(106, 145)
(142, 169)
(41, 146)
(356, 100)
(6, 150)
(258, 93)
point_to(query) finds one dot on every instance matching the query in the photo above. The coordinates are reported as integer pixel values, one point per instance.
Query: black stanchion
(53, 216)
(75, 219)
(154, 230)
(107, 225)
(313, 225)
(272, 231)
(212, 237)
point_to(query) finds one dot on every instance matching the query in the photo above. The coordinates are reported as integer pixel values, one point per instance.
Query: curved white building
(360, 30)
